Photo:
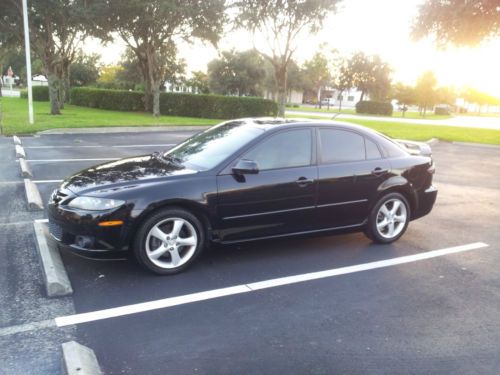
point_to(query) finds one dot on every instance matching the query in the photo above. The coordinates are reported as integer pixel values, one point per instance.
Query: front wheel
(169, 241)
(388, 219)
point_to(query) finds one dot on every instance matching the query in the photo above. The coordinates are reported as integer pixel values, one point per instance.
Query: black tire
(371, 230)
(167, 217)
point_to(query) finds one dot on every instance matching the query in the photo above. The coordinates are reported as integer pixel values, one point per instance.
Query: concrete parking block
(432, 141)
(56, 279)
(33, 195)
(16, 139)
(25, 168)
(20, 152)
(79, 360)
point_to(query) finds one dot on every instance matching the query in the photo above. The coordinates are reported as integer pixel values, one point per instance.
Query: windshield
(207, 149)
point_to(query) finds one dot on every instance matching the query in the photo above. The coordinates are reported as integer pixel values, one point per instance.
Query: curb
(125, 129)
(56, 279)
(79, 360)
(25, 168)
(482, 145)
(20, 152)
(16, 139)
(33, 195)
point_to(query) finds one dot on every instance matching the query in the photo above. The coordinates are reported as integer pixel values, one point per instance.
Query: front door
(279, 199)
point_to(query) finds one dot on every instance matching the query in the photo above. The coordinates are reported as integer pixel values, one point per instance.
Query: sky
(375, 27)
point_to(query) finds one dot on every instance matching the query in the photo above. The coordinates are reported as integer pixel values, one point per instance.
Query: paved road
(433, 316)
(476, 122)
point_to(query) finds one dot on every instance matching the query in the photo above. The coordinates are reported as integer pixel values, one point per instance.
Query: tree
(316, 73)
(56, 28)
(236, 73)
(281, 22)
(342, 75)
(199, 82)
(458, 22)
(295, 79)
(405, 95)
(479, 98)
(446, 95)
(370, 75)
(151, 28)
(108, 75)
(85, 70)
(426, 91)
(130, 75)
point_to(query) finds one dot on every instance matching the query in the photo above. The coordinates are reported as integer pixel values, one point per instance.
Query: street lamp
(28, 60)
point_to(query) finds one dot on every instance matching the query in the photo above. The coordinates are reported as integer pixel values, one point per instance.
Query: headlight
(94, 204)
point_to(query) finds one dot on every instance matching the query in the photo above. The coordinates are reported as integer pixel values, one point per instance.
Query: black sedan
(244, 180)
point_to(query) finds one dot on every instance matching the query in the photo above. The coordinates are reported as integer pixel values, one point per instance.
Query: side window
(283, 150)
(341, 146)
(372, 151)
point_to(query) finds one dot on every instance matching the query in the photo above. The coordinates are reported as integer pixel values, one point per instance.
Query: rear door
(281, 198)
(350, 169)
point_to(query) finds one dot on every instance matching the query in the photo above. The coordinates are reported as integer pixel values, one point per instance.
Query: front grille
(55, 230)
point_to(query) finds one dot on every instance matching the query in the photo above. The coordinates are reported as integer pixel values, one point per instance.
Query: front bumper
(79, 231)
(426, 200)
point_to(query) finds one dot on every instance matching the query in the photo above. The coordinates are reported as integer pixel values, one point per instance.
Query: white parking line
(101, 146)
(246, 288)
(7, 331)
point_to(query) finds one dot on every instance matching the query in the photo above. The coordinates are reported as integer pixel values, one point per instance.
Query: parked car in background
(244, 180)
(442, 109)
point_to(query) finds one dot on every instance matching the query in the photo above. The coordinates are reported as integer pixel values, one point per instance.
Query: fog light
(85, 242)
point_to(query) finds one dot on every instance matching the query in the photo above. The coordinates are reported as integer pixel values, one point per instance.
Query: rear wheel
(169, 241)
(388, 219)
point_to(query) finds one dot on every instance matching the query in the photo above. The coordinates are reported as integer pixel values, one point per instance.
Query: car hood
(123, 173)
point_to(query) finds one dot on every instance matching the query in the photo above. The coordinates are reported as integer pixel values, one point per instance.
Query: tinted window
(372, 151)
(207, 149)
(341, 146)
(284, 150)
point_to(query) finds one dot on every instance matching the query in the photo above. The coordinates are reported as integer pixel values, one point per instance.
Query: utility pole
(28, 61)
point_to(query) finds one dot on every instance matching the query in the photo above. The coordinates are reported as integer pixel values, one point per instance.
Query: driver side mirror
(245, 166)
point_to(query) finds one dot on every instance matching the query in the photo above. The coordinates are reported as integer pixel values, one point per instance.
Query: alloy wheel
(391, 218)
(171, 243)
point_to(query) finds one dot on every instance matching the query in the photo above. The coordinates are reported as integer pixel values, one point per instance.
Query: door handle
(379, 171)
(303, 181)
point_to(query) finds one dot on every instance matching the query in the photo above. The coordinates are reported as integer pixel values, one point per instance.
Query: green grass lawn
(15, 121)
(349, 111)
(419, 132)
(14, 118)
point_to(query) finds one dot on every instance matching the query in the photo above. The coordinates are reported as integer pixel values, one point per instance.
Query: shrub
(215, 106)
(40, 93)
(119, 100)
(374, 108)
(171, 104)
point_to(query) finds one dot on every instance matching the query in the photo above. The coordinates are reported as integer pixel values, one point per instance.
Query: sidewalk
(477, 122)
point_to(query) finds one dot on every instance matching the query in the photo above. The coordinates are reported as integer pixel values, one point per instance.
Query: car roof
(270, 123)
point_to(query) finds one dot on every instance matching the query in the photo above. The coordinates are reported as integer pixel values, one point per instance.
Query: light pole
(28, 60)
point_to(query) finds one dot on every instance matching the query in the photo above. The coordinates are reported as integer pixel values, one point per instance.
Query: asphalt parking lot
(439, 315)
